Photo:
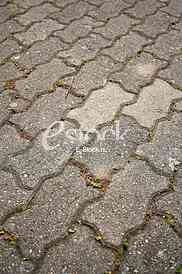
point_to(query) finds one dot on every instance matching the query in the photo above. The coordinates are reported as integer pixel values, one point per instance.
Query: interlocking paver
(9, 28)
(4, 103)
(9, 71)
(165, 150)
(8, 11)
(7, 48)
(174, 8)
(153, 103)
(156, 250)
(142, 9)
(138, 72)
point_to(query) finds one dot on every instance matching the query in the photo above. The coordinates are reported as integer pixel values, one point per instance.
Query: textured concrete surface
(90, 136)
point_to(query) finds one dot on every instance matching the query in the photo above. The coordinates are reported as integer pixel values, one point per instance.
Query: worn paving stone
(78, 29)
(4, 103)
(165, 150)
(84, 49)
(36, 14)
(9, 71)
(63, 3)
(156, 250)
(42, 78)
(8, 11)
(48, 218)
(40, 52)
(100, 107)
(125, 201)
(126, 47)
(10, 261)
(144, 8)
(172, 72)
(155, 24)
(80, 255)
(10, 142)
(174, 8)
(112, 147)
(109, 9)
(153, 103)
(7, 48)
(40, 115)
(138, 72)
(38, 31)
(8, 28)
(165, 47)
(93, 75)
(29, 3)
(72, 12)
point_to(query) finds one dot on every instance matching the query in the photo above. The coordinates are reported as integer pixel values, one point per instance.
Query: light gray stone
(174, 8)
(7, 48)
(144, 8)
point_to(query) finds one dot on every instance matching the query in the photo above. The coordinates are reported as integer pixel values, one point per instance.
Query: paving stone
(10, 142)
(72, 12)
(10, 262)
(29, 3)
(8, 11)
(172, 72)
(126, 47)
(165, 150)
(38, 31)
(153, 103)
(96, 2)
(42, 78)
(125, 201)
(116, 26)
(100, 107)
(174, 8)
(155, 24)
(19, 105)
(46, 110)
(40, 52)
(4, 103)
(36, 14)
(63, 3)
(7, 48)
(109, 9)
(9, 71)
(8, 28)
(80, 255)
(78, 29)
(93, 75)
(112, 147)
(164, 46)
(48, 219)
(138, 72)
(144, 8)
(156, 250)
(84, 49)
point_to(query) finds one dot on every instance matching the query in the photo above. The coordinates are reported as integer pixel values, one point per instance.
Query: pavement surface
(90, 136)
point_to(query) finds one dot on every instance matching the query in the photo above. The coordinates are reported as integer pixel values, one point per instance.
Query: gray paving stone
(9, 71)
(72, 12)
(38, 31)
(49, 218)
(29, 3)
(10, 262)
(8, 28)
(80, 255)
(78, 29)
(42, 78)
(156, 250)
(125, 201)
(40, 52)
(46, 110)
(36, 14)
(4, 103)
(165, 150)
(172, 72)
(7, 48)
(174, 8)
(164, 46)
(100, 107)
(93, 75)
(153, 103)
(144, 8)
(138, 72)
(84, 49)
(109, 9)
(117, 142)
(10, 142)
(126, 47)
(8, 11)
(63, 3)
(155, 24)
(116, 26)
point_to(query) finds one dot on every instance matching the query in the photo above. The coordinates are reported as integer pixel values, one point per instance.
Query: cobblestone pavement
(90, 136)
